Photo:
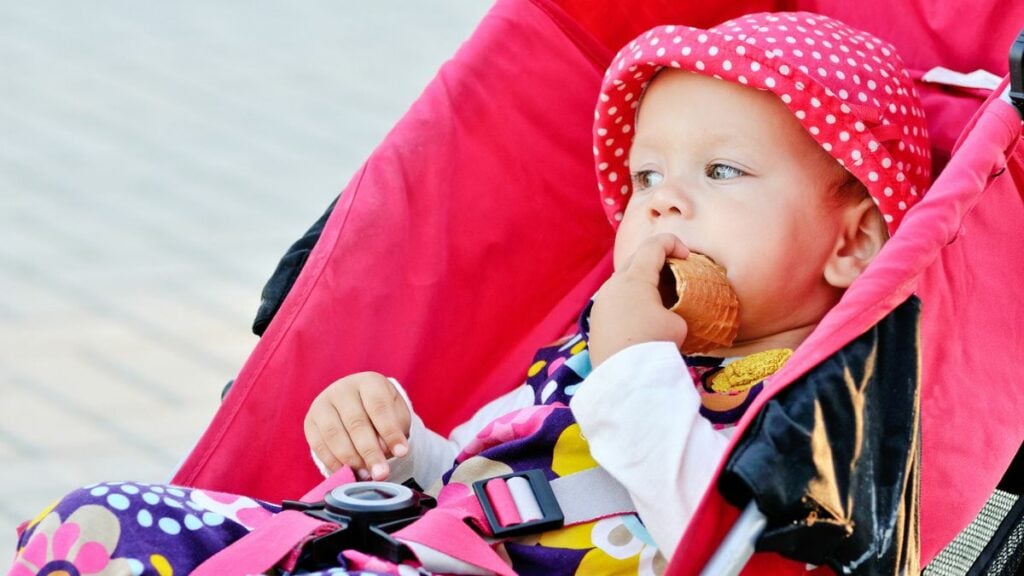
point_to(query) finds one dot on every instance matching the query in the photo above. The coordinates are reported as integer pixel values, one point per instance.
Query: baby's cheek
(747, 294)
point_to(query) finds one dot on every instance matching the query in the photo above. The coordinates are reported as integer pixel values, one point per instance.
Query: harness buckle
(519, 503)
(366, 514)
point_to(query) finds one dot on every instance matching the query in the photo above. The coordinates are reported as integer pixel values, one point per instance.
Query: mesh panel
(957, 558)
(1008, 559)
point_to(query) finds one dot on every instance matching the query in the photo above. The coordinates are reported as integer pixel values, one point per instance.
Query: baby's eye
(645, 179)
(722, 172)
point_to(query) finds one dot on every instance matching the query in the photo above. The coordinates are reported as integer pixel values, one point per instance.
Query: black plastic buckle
(551, 512)
(366, 513)
(1017, 73)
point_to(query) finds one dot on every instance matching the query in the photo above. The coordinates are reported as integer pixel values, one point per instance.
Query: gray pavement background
(156, 159)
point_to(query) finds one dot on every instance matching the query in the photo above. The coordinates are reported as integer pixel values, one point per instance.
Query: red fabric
(449, 259)
(612, 23)
(473, 235)
(974, 335)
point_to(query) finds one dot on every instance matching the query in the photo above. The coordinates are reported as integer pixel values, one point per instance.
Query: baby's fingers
(382, 404)
(328, 439)
(649, 258)
(364, 438)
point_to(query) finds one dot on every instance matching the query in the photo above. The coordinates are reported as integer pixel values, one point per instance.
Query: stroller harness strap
(442, 538)
(581, 497)
(260, 550)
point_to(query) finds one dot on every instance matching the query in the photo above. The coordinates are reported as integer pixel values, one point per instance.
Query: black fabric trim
(287, 271)
(832, 460)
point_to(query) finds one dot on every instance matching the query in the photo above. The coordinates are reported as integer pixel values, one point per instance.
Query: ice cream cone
(697, 289)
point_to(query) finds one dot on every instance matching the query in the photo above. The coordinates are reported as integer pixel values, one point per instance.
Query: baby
(786, 147)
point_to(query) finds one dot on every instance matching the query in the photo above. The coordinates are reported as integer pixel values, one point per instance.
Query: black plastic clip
(366, 514)
(551, 513)
(1017, 73)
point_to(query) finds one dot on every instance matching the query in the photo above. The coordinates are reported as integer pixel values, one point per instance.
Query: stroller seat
(411, 263)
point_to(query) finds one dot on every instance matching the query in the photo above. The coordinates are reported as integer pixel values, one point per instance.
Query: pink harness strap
(443, 530)
(263, 548)
(504, 503)
(582, 497)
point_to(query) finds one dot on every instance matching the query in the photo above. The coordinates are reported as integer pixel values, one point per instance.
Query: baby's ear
(860, 238)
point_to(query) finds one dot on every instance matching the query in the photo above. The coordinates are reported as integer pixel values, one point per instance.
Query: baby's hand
(628, 309)
(359, 420)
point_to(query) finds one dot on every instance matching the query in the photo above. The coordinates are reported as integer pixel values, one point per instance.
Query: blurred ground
(155, 161)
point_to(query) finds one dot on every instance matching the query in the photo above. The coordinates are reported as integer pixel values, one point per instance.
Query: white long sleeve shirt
(639, 411)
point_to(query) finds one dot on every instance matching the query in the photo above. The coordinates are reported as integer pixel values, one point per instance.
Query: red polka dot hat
(847, 88)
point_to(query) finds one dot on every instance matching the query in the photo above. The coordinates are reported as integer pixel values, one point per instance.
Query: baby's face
(730, 172)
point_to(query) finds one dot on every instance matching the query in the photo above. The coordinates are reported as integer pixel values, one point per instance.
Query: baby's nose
(670, 200)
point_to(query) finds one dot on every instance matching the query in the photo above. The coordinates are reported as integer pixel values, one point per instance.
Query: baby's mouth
(704, 254)
(701, 252)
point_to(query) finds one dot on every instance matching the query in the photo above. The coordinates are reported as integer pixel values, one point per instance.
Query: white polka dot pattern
(848, 89)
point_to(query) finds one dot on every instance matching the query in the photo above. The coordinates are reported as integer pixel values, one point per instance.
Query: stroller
(410, 259)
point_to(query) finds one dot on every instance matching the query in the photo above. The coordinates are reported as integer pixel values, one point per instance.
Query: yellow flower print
(572, 453)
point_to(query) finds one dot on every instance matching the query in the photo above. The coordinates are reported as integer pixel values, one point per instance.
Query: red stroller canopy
(473, 235)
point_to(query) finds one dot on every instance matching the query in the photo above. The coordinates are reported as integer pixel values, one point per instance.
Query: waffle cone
(697, 289)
